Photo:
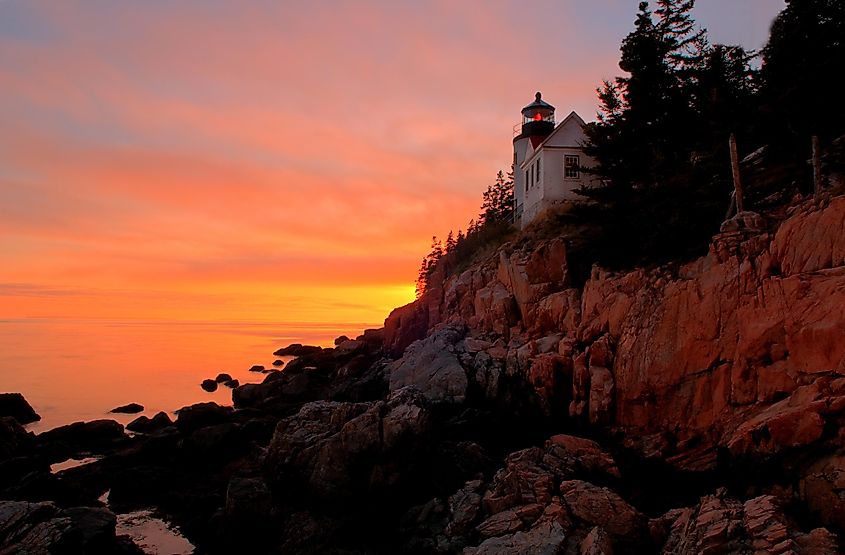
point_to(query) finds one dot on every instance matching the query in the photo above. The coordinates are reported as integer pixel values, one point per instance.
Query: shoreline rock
(131, 408)
(16, 406)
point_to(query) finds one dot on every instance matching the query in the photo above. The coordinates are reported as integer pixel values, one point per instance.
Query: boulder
(822, 488)
(597, 506)
(257, 368)
(209, 385)
(223, 378)
(232, 384)
(16, 406)
(432, 366)
(147, 425)
(545, 538)
(78, 436)
(278, 362)
(334, 449)
(597, 542)
(131, 408)
(200, 415)
(298, 350)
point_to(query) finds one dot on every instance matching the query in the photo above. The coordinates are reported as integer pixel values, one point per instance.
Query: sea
(73, 370)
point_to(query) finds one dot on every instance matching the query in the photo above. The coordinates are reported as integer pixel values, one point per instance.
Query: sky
(267, 161)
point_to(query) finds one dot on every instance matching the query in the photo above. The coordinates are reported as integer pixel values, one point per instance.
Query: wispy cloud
(269, 156)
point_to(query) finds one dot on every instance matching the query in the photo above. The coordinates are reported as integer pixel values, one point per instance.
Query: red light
(537, 117)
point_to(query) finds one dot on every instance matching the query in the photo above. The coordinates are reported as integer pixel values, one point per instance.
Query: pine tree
(805, 51)
(450, 242)
(497, 200)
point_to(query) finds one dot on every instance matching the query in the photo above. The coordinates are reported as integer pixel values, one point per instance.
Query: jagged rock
(573, 456)
(502, 523)
(705, 353)
(332, 449)
(811, 240)
(597, 506)
(36, 528)
(597, 542)
(16, 406)
(545, 537)
(823, 489)
(131, 408)
(464, 508)
(721, 524)
(405, 325)
(147, 425)
(432, 366)
(531, 476)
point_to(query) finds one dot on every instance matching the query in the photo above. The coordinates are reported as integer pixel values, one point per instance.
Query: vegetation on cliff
(661, 139)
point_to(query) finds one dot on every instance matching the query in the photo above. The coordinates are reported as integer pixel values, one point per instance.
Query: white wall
(553, 189)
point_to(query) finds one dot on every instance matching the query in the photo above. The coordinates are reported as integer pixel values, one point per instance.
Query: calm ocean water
(72, 370)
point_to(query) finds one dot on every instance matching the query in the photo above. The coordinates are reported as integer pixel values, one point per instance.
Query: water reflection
(72, 370)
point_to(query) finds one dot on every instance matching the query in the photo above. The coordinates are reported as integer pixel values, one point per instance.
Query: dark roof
(538, 103)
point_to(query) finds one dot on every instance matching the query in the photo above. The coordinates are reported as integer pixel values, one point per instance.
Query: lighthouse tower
(538, 121)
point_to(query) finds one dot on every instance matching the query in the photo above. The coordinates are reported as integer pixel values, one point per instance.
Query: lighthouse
(548, 160)
(538, 122)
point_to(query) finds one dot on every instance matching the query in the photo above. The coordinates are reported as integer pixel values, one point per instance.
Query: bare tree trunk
(817, 167)
(735, 170)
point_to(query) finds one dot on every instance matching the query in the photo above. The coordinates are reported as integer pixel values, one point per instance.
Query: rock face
(333, 449)
(432, 366)
(741, 349)
(721, 524)
(14, 405)
(539, 502)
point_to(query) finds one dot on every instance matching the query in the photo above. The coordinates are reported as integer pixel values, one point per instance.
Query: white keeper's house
(548, 161)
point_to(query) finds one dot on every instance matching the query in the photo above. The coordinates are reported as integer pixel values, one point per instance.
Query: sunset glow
(271, 161)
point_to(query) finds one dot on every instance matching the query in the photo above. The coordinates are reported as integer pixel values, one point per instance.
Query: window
(537, 171)
(526, 180)
(571, 167)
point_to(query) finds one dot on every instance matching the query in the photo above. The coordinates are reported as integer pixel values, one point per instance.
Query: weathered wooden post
(817, 167)
(735, 170)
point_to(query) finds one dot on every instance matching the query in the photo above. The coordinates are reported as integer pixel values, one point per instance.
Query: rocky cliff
(736, 358)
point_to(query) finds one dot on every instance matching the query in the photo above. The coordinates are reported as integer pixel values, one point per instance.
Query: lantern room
(538, 118)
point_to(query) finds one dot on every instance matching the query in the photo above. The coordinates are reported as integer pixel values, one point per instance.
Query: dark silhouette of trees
(805, 52)
(660, 133)
(494, 222)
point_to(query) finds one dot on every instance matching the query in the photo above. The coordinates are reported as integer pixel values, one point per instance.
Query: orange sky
(272, 161)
